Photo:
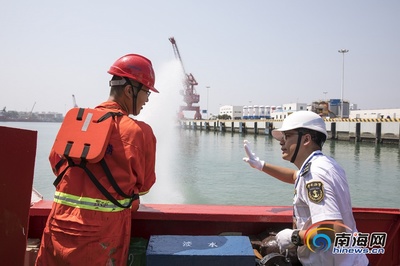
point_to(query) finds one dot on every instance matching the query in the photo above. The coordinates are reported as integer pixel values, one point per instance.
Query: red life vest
(82, 139)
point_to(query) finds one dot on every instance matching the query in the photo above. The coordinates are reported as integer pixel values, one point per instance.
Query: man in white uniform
(321, 201)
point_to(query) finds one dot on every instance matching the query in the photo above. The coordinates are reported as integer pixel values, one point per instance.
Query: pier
(383, 130)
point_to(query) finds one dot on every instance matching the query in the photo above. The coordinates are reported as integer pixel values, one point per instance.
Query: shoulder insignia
(315, 191)
(306, 169)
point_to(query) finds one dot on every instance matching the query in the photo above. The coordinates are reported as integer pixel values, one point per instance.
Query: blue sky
(253, 51)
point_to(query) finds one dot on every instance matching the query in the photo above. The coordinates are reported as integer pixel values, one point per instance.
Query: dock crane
(31, 112)
(189, 94)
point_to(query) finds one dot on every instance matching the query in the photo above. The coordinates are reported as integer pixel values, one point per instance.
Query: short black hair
(318, 137)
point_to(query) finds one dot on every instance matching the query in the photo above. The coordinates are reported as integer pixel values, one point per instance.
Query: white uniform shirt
(322, 193)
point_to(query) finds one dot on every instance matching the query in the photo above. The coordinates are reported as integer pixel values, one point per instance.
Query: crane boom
(176, 52)
(74, 101)
(32, 108)
(190, 80)
(189, 93)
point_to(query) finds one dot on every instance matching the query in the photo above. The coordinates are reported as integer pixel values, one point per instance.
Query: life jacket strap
(104, 191)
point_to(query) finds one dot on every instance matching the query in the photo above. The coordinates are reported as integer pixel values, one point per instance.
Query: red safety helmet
(135, 67)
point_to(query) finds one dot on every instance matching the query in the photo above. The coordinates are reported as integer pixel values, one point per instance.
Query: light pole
(342, 51)
(207, 100)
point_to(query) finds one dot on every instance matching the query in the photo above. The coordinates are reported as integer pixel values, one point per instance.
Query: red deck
(164, 219)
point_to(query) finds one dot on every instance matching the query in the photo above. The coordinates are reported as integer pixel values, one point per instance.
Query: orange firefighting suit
(83, 227)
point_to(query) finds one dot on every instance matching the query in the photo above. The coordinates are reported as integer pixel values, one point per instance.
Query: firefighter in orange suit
(84, 228)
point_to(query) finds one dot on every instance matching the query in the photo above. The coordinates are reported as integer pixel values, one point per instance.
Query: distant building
(256, 112)
(281, 112)
(353, 106)
(328, 108)
(294, 107)
(30, 116)
(250, 112)
(335, 105)
(235, 112)
(245, 113)
(375, 113)
(267, 112)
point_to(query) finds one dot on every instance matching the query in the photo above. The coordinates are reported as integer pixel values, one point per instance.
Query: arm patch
(315, 191)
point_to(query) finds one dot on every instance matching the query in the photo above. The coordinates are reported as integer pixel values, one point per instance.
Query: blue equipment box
(177, 250)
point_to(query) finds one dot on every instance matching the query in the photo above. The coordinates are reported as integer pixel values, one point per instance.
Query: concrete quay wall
(358, 130)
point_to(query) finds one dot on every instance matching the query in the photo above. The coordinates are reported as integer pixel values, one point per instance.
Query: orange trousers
(73, 238)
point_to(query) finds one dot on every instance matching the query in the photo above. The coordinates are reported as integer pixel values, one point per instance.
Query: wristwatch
(296, 238)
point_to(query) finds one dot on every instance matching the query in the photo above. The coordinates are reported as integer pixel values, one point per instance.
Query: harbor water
(199, 167)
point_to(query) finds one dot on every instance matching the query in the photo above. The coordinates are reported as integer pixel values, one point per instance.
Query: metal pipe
(342, 51)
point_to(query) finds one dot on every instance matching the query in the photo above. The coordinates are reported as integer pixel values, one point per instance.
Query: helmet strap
(134, 98)
(297, 147)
